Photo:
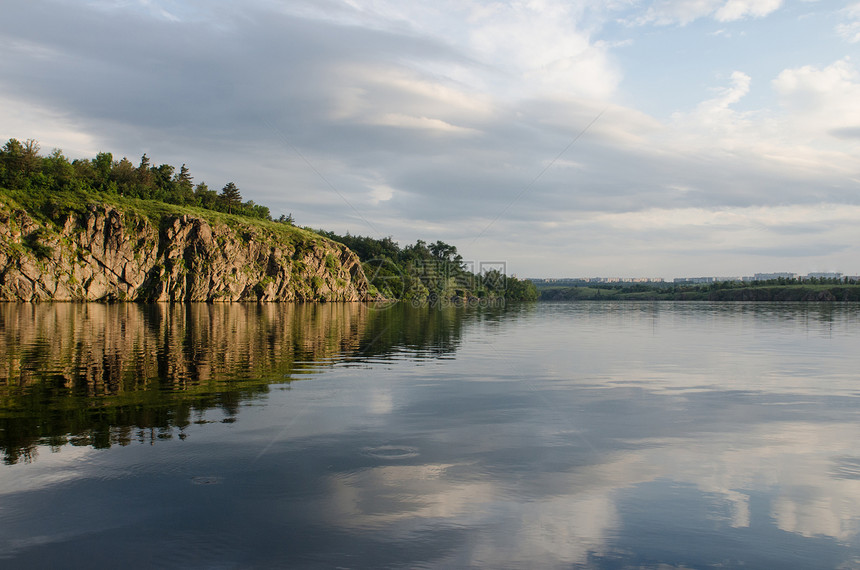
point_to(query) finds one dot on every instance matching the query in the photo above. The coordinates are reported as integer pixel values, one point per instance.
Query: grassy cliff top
(54, 207)
(51, 187)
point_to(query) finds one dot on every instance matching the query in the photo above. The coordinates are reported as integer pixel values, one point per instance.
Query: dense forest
(45, 185)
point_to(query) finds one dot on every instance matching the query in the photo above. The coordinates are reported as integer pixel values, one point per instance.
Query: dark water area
(549, 435)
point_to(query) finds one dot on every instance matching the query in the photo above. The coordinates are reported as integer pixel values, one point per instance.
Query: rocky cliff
(107, 252)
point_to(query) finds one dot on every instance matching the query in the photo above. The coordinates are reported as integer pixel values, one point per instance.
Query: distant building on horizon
(570, 281)
(694, 280)
(769, 276)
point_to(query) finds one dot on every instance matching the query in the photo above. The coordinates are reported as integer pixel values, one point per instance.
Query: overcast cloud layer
(567, 138)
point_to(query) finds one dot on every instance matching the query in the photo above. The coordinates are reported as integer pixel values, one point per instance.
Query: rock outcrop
(103, 253)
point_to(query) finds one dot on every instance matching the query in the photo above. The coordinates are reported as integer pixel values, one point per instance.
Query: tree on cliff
(144, 178)
(18, 161)
(231, 197)
(123, 174)
(184, 177)
(23, 169)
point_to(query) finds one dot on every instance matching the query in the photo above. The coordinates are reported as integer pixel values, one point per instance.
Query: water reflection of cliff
(105, 375)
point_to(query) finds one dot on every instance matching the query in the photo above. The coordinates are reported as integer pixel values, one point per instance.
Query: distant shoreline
(768, 293)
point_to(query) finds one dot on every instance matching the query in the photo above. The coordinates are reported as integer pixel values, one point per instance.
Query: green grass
(52, 208)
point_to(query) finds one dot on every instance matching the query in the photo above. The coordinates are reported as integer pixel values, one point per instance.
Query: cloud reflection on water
(599, 435)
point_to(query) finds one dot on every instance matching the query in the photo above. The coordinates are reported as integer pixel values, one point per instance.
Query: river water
(549, 435)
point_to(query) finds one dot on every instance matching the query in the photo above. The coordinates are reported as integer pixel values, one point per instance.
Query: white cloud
(29, 120)
(717, 110)
(381, 193)
(850, 28)
(683, 12)
(821, 100)
(730, 219)
(738, 9)
(813, 135)
(520, 48)
(388, 96)
(399, 120)
(543, 45)
(682, 241)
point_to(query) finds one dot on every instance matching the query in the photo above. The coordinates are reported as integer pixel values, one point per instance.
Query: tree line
(422, 271)
(815, 288)
(23, 169)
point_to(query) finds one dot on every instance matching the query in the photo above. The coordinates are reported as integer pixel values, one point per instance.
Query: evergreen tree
(144, 178)
(231, 197)
(11, 158)
(184, 178)
(182, 186)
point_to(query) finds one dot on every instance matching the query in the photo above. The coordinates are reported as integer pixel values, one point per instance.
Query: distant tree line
(23, 169)
(778, 282)
(816, 288)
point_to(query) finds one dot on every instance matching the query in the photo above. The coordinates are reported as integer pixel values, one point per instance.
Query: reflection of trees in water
(428, 332)
(102, 375)
(423, 331)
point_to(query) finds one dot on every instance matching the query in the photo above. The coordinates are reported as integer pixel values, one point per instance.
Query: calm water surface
(584, 435)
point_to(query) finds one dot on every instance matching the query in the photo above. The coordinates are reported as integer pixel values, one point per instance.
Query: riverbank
(742, 292)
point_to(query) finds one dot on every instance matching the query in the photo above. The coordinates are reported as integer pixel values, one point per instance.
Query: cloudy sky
(570, 138)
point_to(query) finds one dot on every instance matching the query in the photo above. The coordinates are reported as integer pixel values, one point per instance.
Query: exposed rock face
(109, 254)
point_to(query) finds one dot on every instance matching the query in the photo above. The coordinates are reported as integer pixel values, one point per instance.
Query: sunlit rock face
(110, 254)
